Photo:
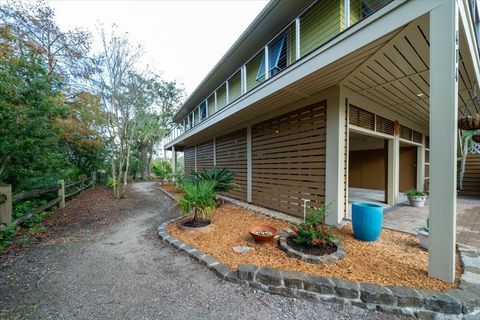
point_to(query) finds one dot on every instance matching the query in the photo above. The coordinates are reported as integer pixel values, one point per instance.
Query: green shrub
(162, 170)
(6, 236)
(314, 231)
(221, 177)
(111, 183)
(415, 193)
(25, 207)
(198, 199)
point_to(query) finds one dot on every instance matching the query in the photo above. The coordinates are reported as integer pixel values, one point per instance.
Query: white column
(335, 153)
(243, 74)
(249, 164)
(214, 151)
(174, 160)
(216, 104)
(443, 139)
(393, 173)
(297, 39)
(346, 12)
(421, 165)
(267, 62)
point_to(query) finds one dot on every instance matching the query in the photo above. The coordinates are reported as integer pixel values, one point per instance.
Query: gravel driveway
(121, 270)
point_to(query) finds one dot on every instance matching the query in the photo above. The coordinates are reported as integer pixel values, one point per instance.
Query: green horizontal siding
(211, 104)
(221, 97)
(252, 70)
(319, 24)
(235, 87)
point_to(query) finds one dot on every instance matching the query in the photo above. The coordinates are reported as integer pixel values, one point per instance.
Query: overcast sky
(182, 39)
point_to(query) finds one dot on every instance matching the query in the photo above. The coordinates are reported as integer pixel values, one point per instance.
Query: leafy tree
(163, 170)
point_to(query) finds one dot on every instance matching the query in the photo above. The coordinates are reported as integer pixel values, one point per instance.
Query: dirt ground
(101, 259)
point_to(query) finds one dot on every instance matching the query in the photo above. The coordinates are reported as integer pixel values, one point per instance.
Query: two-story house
(319, 96)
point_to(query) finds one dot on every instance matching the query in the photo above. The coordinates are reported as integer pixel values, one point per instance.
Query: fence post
(61, 193)
(6, 204)
(94, 179)
(82, 182)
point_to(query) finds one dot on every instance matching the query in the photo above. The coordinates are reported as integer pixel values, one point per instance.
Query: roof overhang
(273, 18)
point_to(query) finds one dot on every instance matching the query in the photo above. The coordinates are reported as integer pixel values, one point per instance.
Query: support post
(6, 204)
(335, 153)
(393, 170)
(94, 179)
(61, 193)
(174, 160)
(443, 139)
(82, 182)
(249, 164)
(297, 39)
(421, 165)
(267, 62)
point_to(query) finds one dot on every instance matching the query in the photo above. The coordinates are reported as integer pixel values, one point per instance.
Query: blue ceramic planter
(367, 221)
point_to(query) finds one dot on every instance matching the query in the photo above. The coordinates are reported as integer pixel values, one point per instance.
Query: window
(277, 58)
(203, 110)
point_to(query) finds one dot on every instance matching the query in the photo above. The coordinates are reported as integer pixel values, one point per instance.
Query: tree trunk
(121, 157)
(125, 176)
(150, 158)
(143, 161)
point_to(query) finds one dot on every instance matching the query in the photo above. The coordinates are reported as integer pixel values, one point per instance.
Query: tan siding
(288, 160)
(189, 155)
(232, 153)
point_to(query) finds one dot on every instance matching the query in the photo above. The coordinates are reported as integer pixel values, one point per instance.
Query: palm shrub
(222, 178)
(198, 199)
(314, 231)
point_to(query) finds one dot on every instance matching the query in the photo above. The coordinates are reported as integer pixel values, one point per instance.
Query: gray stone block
(196, 254)
(406, 297)
(208, 260)
(472, 262)
(470, 301)
(293, 279)
(319, 285)
(221, 270)
(187, 248)
(246, 272)
(176, 243)
(346, 289)
(371, 293)
(162, 235)
(440, 302)
(271, 277)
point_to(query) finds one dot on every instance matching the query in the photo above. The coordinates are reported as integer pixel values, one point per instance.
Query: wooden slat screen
(205, 155)
(405, 133)
(189, 159)
(417, 137)
(385, 126)
(288, 160)
(361, 118)
(231, 152)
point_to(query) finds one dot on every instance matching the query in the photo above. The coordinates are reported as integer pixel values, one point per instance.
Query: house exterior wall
(234, 87)
(189, 159)
(205, 155)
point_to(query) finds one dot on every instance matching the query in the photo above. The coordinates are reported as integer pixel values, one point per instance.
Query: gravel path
(123, 271)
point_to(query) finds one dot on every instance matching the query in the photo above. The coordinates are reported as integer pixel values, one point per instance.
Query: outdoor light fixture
(420, 94)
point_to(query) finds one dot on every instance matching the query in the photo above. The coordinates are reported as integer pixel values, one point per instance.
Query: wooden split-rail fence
(63, 191)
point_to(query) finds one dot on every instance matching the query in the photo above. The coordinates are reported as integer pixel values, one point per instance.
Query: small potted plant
(423, 233)
(416, 198)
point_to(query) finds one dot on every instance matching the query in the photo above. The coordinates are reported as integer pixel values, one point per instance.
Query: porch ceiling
(397, 76)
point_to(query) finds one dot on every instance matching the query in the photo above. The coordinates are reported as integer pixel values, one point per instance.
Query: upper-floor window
(277, 58)
(202, 109)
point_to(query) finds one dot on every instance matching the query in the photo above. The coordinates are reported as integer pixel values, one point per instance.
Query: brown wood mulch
(395, 259)
(168, 187)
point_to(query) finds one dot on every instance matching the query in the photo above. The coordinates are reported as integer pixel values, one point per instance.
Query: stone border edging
(459, 303)
(325, 259)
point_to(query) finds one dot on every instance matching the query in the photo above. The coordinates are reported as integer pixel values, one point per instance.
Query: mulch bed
(312, 250)
(395, 259)
(168, 187)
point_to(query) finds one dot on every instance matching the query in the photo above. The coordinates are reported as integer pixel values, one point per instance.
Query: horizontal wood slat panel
(361, 118)
(205, 156)
(189, 159)
(231, 152)
(288, 160)
(385, 126)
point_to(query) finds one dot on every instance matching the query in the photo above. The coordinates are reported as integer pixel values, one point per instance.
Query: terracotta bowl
(259, 237)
